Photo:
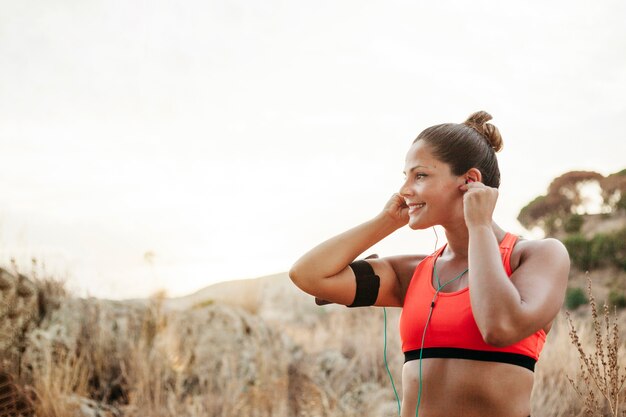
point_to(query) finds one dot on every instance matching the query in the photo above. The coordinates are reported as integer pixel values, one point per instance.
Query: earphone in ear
(467, 181)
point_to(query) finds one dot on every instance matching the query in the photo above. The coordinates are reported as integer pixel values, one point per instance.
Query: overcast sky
(167, 144)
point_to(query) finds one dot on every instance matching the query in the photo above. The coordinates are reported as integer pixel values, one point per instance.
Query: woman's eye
(417, 176)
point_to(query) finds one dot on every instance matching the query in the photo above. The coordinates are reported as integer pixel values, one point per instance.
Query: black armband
(367, 284)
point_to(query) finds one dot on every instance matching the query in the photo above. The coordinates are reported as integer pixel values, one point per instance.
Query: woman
(476, 312)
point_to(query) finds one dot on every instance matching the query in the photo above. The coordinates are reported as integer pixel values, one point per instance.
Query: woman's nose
(405, 189)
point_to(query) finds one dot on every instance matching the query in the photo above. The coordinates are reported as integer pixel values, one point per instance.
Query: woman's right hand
(397, 210)
(324, 271)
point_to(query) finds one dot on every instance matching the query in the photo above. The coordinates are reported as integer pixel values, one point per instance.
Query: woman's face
(430, 189)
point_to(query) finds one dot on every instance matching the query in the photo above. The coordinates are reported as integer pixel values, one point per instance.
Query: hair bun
(478, 121)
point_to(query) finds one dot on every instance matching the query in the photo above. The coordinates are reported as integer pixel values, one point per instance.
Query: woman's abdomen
(468, 388)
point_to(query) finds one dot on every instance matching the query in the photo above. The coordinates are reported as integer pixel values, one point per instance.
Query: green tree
(561, 208)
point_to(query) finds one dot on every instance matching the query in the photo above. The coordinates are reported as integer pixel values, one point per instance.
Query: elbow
(496, 340)
(497, 336)
(296, 277)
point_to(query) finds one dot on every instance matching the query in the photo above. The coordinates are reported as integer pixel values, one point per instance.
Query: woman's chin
(415, 224)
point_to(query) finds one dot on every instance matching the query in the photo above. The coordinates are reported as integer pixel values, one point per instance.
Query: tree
(566, 199)
(614, 190)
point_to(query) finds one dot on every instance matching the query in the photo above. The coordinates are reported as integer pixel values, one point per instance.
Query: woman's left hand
(479, 201)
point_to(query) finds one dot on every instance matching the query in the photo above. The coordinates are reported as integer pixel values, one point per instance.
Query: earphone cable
(430, 313)
(387, 365)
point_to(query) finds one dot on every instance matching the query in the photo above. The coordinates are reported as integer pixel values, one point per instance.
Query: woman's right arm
(324, 272)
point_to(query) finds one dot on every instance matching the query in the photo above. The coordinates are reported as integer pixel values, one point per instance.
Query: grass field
(270, 352)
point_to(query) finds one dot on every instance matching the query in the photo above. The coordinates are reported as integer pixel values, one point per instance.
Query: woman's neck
(458, 239)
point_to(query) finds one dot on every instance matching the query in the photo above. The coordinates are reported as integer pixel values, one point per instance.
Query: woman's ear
(473, 175)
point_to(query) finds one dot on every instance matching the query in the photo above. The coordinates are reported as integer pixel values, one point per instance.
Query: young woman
(475, 313)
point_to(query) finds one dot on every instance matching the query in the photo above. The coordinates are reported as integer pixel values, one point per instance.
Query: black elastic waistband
(477, 355)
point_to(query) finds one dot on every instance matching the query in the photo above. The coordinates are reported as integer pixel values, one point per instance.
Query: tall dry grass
(133, 359)
(13, 400)
(563, 385)
(601, 377)
(139, 360)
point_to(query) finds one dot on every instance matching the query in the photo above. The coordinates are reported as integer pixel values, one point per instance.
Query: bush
(619, 249)
(617, 298)
(573, 223)
(602, 250)
(574, 298)
(579, 251)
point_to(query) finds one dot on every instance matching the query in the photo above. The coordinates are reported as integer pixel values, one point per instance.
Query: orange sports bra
(452, 331)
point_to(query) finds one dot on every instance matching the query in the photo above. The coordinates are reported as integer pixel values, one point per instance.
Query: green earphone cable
(432, 304)
(430, 313)
(386, 365)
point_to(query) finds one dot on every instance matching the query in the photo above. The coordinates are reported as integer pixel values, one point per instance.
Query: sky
(152, 145)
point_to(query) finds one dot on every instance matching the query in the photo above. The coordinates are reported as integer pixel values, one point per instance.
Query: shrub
(601, 250)
(579, 251)
(617, 298)
(619, 249)
(573, 223)
(574, 298)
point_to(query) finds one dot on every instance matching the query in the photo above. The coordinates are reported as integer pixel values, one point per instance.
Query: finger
(469, 186)
(475, 184)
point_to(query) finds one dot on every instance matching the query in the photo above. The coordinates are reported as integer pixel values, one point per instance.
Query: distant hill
(240, 293)
(272, 297)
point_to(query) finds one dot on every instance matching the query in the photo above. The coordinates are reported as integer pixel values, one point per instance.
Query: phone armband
(367, 284)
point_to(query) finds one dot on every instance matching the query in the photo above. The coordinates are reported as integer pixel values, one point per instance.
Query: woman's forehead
(420, 155)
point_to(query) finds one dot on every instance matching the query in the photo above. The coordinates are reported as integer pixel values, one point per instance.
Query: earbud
(467, 181)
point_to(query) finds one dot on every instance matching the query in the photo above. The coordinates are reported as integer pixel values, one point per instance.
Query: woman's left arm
(508, 309)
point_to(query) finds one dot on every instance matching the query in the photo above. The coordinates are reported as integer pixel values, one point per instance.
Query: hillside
(243, 348)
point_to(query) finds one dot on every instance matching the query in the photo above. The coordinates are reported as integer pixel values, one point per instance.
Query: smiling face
(430, 189)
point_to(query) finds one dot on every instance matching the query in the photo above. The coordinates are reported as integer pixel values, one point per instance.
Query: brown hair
(471, 144)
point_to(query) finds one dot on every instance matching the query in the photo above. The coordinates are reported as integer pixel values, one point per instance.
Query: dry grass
(601, 373)
(138, 361)
(13, 400)
(216, 360)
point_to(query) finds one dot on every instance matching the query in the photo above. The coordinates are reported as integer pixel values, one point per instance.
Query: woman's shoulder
(546, 244)
(526, 248)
